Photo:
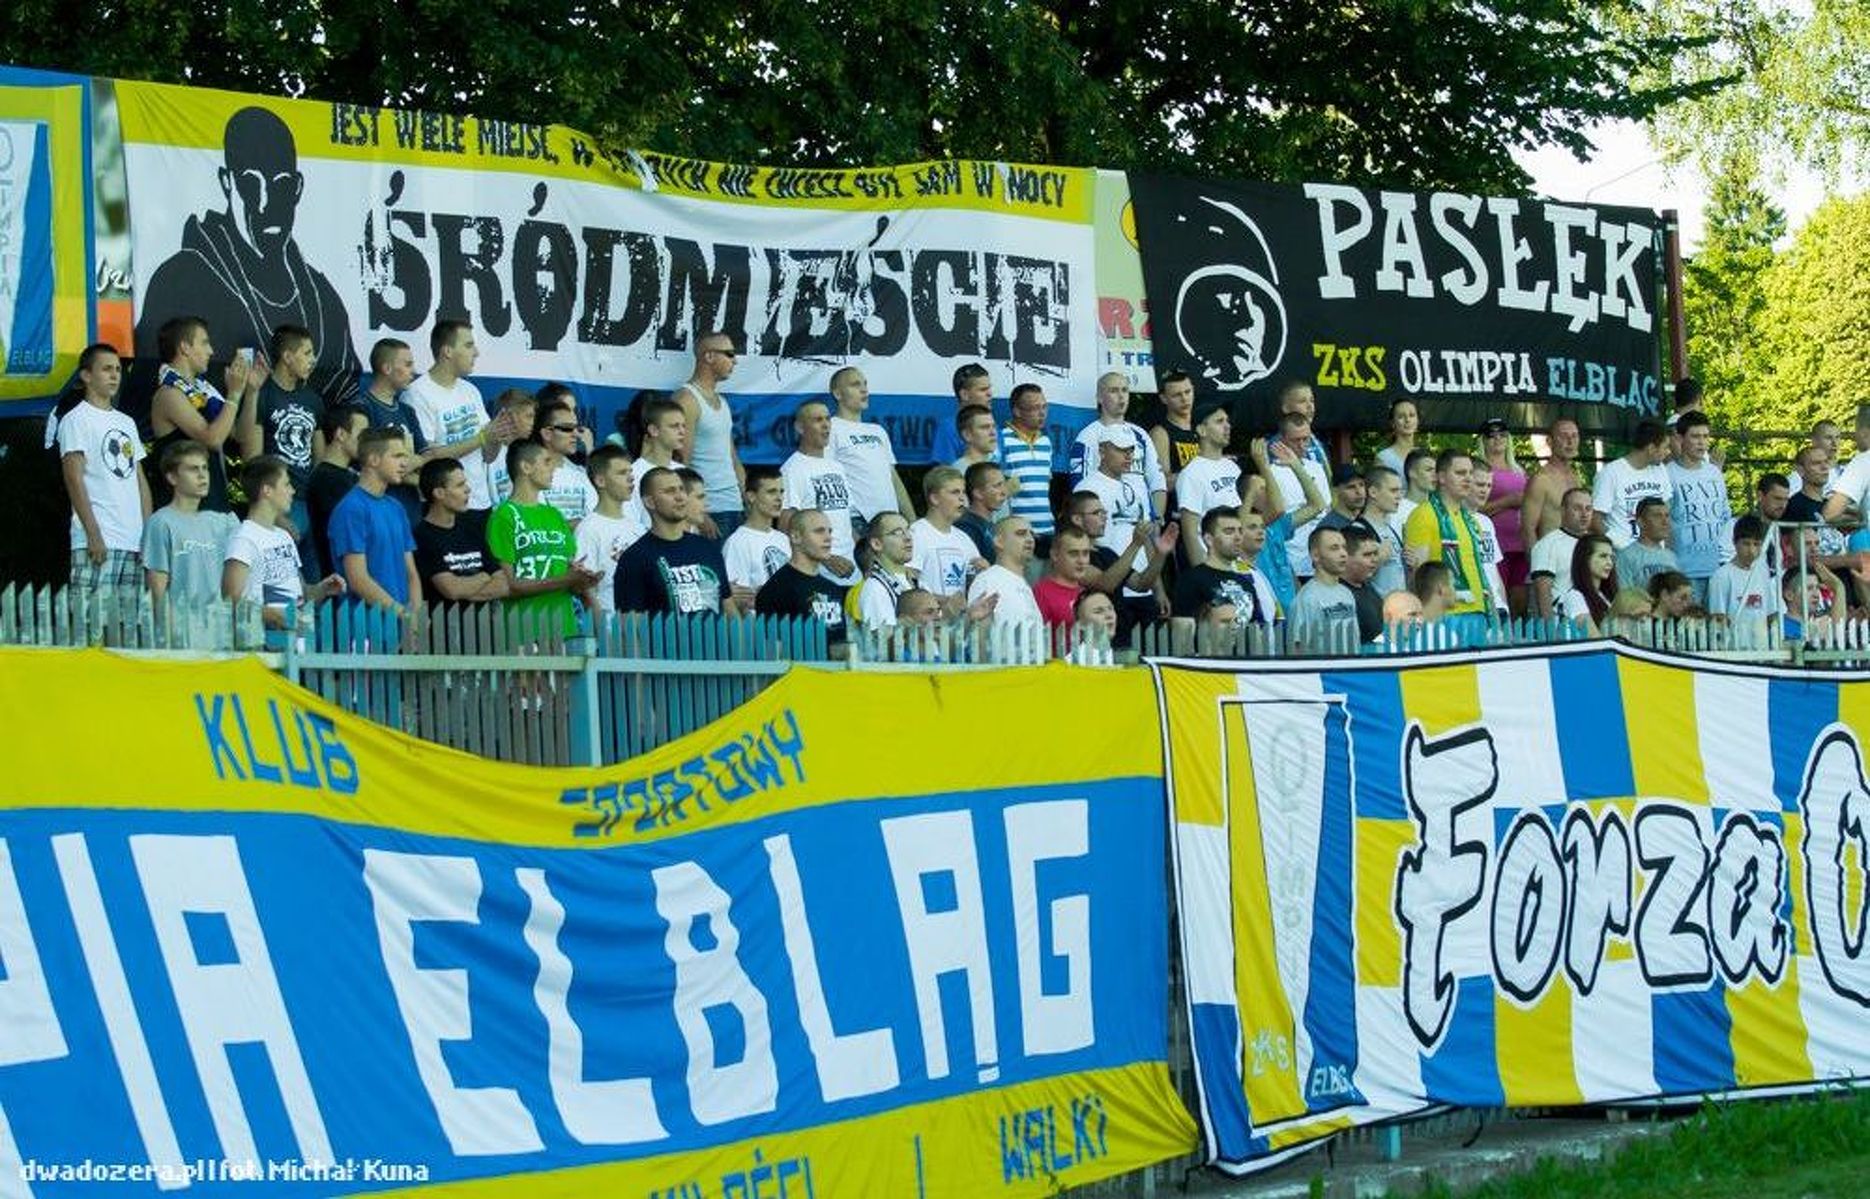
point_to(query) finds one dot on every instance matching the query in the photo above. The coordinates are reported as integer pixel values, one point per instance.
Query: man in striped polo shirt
(1026, 455)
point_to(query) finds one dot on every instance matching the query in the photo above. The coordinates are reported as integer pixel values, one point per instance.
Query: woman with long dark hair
(1404, 422)
(1593, 583)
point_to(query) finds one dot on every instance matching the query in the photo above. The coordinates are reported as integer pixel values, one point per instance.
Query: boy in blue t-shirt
(372, 545)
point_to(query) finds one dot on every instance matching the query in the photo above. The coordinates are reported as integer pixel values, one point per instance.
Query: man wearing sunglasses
(711, 432)
(559, 430)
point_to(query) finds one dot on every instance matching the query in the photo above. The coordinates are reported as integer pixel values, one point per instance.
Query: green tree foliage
(1816, 330)
(1397, 92)
(1724, 297)
(1779, 339)
(1786, 82)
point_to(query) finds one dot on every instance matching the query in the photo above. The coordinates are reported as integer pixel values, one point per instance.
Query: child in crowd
(1744, 590)
(611, 527)
(755, 550)
(697, 489)
(184, 545)
(262, 563)
(1807, 615)
(1673, 595)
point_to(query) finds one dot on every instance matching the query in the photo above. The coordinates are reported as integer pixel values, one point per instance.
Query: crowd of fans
(421, 491)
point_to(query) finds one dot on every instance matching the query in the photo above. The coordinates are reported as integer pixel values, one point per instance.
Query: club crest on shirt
(829, 493)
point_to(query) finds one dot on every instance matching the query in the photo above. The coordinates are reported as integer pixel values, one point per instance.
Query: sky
(1627, 170)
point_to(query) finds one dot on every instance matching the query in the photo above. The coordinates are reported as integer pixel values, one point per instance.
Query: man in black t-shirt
(1177, 443)
(1359, 571)
(332, 479)
(671, 569)
(1348, 496)
(285, 423)
(797, 588)
(1218, 581)
(451, 540)
(1814, 471)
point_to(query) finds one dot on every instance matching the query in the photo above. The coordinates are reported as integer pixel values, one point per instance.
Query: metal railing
(503, 686)
(126, 618)
(1187, 638)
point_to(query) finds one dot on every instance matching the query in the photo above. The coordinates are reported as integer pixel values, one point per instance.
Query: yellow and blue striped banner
(869, 935)
(45, 230)
(1558, 876)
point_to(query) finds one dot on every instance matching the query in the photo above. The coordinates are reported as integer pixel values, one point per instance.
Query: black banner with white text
(1474, 307)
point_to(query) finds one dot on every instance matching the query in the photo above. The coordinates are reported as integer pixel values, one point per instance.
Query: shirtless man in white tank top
(711, 436)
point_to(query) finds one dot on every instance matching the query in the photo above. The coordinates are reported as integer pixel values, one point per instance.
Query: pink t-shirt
(1056, 600)
(1508, 484)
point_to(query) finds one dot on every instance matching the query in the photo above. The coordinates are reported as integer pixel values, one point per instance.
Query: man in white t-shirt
(1699, 509)
(1626, 481)
(890, 576)
(515, 416)
(757, 549)
(1295, 432)
(944, 557)
(1210, 480)
(863, 449)
(1126, 507)
(1487, 544)
(1850, 489)
(453, 415)
(610, 527)
(571, 490)
(815, 480)
(1551, 554)
(665, 437)
(1113, 404)
(1005, 580)
(100, 454)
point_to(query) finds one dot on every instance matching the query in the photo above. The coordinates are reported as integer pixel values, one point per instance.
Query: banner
(45, 254)
(261, 944)
(595, 267)
(1472, 307)
(1122, 310)
(1552, 877)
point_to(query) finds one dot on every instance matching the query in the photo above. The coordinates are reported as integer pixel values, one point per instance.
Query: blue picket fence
(508, 686)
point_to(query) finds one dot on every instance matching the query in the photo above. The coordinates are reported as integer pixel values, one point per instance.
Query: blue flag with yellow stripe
(1546, 877)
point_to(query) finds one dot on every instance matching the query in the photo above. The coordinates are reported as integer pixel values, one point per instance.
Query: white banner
(596, 273)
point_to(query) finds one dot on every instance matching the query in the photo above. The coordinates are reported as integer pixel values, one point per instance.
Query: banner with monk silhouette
(593, 266)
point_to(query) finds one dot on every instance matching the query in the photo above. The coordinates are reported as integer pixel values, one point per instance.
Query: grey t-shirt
(1638, 563)
(189, 547)
(1324, 618)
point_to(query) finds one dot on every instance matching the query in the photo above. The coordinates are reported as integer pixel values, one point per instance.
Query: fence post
(587, 736)
(293, 639)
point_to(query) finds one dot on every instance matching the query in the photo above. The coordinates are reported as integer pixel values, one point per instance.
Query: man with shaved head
(240, 269)
(1113, 405)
